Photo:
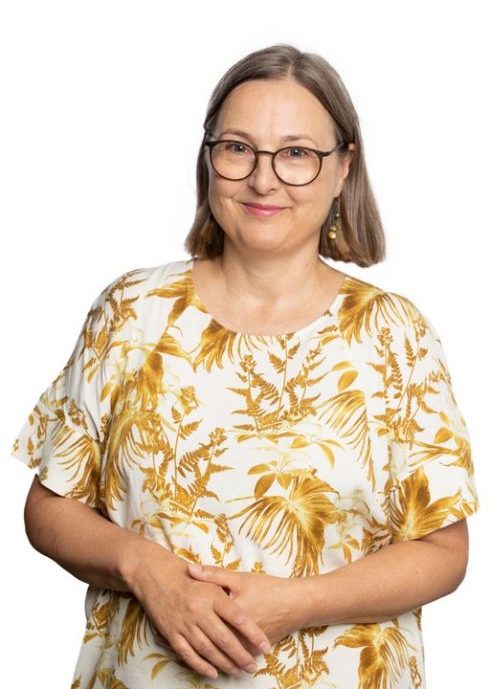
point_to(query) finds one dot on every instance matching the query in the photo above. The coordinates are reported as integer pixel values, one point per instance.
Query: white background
(101, 119)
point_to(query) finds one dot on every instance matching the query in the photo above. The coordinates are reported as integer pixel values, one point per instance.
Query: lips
(263, 207)
(261, 211)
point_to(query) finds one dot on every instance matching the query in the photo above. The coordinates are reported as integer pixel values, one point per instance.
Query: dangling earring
(332, 232)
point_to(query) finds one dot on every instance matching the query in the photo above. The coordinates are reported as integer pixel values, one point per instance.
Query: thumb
(208, 572)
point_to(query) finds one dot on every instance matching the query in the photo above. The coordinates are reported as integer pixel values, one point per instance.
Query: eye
(236, 147)
(298, 152)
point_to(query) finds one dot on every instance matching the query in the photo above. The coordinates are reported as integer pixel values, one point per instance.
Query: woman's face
(268, 111)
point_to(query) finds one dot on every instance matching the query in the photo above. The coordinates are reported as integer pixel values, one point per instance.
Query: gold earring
(332, 232)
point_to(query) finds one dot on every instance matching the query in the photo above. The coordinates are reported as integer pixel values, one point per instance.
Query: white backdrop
(100, 122)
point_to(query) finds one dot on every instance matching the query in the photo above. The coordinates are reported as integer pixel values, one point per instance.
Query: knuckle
(236, 614)
(195, 606)
(240, 617)
(224, 640)
(237, 609)
(180, 647)
(205, 647)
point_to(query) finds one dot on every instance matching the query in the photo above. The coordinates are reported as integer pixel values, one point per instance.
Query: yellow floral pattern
(288, 454)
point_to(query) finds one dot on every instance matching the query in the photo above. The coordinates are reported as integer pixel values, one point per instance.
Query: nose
(263, 178)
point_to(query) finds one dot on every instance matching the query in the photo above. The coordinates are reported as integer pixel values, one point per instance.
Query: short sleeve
(63, 436)
(432, 475)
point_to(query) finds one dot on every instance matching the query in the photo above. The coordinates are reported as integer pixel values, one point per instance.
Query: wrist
(138, 561)
(302, 601)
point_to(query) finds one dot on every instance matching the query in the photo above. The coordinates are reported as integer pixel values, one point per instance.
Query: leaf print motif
(79, 452)
(182, 292)
(365, 307)
(415, 675)
(101, 326)
(307, 665)
(134, 628)
(101, 616)
(65, 432)
(346, 412)
(384, 653)
(297, 520)
(137, 427)
(162, 661)
(167, 344)
(346, 542)
(266, 409)
(107, 679)
(426, 430)
(128, 437)
(413, 514)
(216, 342)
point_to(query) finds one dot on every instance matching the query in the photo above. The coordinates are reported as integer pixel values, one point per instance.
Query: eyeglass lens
(294, 165)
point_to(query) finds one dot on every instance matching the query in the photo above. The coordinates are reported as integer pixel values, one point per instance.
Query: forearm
(397, 578)
(86, 544)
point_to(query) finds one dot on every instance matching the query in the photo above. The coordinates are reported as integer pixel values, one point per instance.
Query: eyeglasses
(293, 165)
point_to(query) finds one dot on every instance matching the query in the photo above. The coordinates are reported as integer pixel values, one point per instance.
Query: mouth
(258, 209)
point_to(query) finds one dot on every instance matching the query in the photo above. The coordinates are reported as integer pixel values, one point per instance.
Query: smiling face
(270, 112)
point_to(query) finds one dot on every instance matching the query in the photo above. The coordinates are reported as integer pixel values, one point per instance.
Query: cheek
(317, 200)
(223, 195)
(311, 205)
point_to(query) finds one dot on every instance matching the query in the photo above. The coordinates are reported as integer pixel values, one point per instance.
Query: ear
(345, 161)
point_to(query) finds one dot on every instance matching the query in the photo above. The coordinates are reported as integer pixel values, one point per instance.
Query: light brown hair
(360, 237)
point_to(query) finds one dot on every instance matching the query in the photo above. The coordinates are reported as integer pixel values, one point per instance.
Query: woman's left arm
(377, 587)
(396, 578)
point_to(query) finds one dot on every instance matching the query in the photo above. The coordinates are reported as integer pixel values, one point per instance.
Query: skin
(269, 278)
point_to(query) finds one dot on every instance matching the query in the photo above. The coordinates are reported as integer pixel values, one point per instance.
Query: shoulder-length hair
(360, 237)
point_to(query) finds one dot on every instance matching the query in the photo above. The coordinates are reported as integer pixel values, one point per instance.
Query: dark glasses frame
(320, 154)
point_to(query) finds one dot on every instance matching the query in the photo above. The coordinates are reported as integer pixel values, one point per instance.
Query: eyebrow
(288, 137)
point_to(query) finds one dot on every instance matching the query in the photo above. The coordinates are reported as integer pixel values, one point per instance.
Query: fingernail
(265, 647)
(196, 568)
(251, 668)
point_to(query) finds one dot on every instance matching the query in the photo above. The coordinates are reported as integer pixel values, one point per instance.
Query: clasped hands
(217, 618)
(265, 598)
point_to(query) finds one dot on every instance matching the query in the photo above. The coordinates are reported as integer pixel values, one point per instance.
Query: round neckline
(330, 310)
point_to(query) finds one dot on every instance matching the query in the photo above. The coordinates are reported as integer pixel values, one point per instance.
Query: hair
(360, 237)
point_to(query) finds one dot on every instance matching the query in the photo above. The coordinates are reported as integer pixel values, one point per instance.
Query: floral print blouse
(290, 454)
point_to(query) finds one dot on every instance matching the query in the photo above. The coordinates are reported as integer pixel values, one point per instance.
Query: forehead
(271, 107)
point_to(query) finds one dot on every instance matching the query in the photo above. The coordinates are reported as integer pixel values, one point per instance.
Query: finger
(224, 638)
(219, 575)
(185, 651)
(212, 578)
(229, 610)
(205, 645)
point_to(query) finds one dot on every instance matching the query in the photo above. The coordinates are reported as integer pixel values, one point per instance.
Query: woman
(256, 411)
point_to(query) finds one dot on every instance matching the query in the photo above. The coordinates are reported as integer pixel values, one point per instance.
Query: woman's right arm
(80, 539)
(191, 615)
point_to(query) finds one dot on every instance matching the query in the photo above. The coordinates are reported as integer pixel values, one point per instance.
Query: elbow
(35, 514)
(36, 524)
(461, 573)
(458, 570)
(31, 527)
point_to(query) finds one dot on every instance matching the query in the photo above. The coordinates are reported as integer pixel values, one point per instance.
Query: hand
(199, 620)
(264, 597)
